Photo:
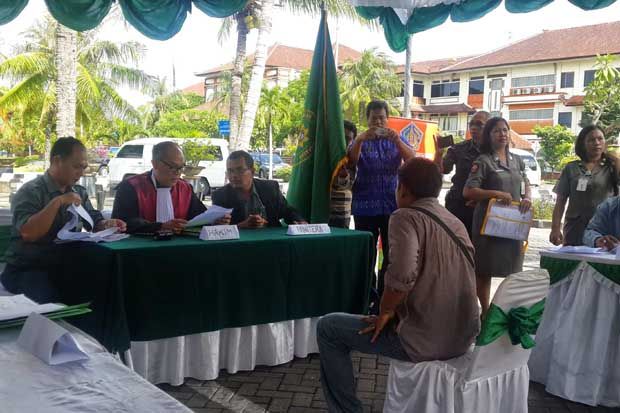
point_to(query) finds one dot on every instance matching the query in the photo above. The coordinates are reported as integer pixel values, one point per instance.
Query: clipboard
(506, 221)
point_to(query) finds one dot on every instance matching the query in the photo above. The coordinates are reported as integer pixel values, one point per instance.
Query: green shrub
(542, 209)
(24, 160)
(284, 173)
(196, 151)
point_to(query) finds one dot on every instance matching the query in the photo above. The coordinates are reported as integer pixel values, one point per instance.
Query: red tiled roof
(518, 142)
(290, 57)
(432, 66)
(576, 100)
(575, 42)
(197, 88)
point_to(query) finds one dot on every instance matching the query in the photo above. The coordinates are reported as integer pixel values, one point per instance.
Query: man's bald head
(164, 149)
(481, 115)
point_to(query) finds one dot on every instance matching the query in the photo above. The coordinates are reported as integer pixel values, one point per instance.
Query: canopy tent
(157, 19)
(402, 18)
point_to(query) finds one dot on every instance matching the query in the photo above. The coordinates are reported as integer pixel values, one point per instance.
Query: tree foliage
(602, 101)
(556, 143)
(190, 123)
(371, 77)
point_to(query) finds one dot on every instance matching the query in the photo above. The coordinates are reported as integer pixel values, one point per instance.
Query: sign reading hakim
(322, 147)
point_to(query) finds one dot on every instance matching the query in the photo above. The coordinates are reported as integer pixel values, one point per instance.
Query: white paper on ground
(48, 341)
(219, 232)
(16, 306)
(67, 235)
(208, 217)
(308, 229)
(580, 249)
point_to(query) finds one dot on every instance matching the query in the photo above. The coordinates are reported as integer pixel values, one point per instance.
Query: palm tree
(258, 14)
(101, 68)
(371, 77)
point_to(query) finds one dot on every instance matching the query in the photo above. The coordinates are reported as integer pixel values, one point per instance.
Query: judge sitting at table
(256, 203)
(39, 211)
(603, 230)
(159, 200)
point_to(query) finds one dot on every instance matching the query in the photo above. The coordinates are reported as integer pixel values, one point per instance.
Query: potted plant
(195, 151)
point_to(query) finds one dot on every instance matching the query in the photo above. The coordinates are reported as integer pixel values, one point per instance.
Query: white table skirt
(100, 384)
(202, 356)
(577, 353)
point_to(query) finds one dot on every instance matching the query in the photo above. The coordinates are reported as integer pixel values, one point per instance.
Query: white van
(532, 169)
(134, 157)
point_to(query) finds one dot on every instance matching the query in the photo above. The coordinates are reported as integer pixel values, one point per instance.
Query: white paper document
(208, 217)
(67, 235)
(17, 306)
(49, 341)
(578, 249)
(506, 221)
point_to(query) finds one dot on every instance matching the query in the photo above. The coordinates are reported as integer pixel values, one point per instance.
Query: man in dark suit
(256, 203)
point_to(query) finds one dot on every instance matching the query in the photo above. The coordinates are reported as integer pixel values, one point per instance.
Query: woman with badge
(585, 183)
(498, 174)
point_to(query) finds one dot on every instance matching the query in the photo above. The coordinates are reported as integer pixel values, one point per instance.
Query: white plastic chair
(493, 378)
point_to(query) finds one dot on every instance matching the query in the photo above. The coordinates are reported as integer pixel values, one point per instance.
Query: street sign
(224, 127)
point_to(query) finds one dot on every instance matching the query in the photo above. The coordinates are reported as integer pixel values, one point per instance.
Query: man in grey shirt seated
(429, 309)
(39, 211)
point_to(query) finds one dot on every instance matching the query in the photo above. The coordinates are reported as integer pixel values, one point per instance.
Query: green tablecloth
(560, 268)
(143, 289)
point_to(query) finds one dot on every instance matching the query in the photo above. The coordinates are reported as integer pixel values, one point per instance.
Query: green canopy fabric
(426, 14)
(157, 19)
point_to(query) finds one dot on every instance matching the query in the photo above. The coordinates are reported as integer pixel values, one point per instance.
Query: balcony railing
(532, 90)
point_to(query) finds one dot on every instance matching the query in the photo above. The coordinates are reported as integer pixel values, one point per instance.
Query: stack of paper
(67, 235)
(580, 249)
(14, 310)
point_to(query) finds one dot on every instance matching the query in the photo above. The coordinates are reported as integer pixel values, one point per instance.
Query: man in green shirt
(39, 211)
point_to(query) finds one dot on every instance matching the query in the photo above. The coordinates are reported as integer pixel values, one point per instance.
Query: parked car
(261, 163)
(134, 157)
(532, 168)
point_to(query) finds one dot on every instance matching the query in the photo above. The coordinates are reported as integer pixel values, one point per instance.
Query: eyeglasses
(173, 168)
(237, 171)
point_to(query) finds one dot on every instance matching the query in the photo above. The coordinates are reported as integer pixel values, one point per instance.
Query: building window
(565, 119)
(447, 123)
(531, 114)
(588, 77)
(542, 80)
(418, 88)
(445, 89)
(567, 79)
(476, 86)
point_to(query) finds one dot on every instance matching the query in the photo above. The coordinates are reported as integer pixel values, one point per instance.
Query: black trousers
(378, 225)
(464, 213)
(34, 283)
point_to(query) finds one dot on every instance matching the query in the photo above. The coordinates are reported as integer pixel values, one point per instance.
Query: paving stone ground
(295, 387)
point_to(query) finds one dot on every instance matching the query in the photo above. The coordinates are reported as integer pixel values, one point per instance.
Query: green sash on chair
(520, 323)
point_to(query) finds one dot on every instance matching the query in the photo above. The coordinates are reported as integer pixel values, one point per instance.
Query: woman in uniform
(585, 183)
(501, 175)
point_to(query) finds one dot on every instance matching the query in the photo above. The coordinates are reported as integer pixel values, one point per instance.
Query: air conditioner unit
(550, 89)
(516, 91)
(537, 90)
(527, 91)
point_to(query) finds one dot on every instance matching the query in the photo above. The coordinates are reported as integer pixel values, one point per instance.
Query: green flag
(322, 146)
